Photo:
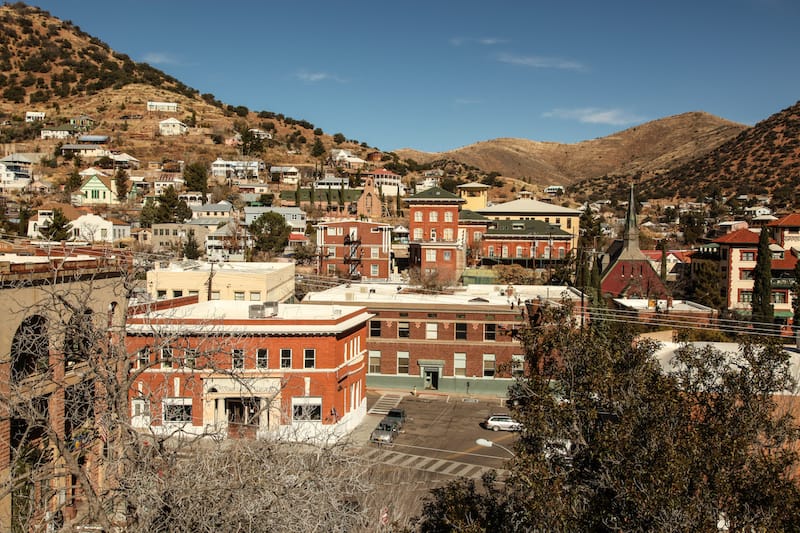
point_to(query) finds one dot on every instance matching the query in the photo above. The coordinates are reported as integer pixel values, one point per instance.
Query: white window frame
(307, 409)
(407, 365)
(373, 356)
(262, 357)
(283, 359)
(237, 359)
(176, 401)
(432, 330)
(312, 358)
(489, 358)
(460, 364)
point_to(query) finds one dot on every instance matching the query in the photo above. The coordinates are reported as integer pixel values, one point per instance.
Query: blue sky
(437, 75)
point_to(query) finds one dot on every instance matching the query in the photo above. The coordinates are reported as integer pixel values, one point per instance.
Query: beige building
(255, 282)
(528, 209)
(476, 195)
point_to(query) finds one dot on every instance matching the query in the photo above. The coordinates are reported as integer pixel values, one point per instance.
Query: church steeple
(630, 236)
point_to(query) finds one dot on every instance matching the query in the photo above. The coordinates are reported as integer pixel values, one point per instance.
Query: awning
(783, 314)
(430, 362)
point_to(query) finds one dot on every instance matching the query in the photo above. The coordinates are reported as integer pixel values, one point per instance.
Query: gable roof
(471, 216)
(105, 180)
(528, 228)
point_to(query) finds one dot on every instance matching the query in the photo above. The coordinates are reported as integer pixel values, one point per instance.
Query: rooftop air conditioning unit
(256, 311)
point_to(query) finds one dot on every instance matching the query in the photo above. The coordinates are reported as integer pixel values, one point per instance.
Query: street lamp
(486, 443)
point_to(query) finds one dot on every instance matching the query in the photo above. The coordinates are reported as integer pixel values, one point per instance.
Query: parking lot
(435, 445)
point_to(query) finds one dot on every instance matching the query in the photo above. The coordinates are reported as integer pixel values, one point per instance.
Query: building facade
(433, 234)
(240, 370)
(355, 249)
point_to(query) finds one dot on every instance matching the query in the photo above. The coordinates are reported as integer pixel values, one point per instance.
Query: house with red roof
(786, 231)
(737, 254)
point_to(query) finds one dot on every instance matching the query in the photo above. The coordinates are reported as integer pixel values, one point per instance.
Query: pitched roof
(468, 215)
(527, 228)
(529, 206)
(435, 194)
(473, 185)
(789, 221)
(740, 236)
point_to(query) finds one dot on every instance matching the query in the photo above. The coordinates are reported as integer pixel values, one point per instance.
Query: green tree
(692, 224)
(270, 233)
(796, 298)
(762, 282)
(612, 442)
(74, 181)
(663, 247)
(122, 183)
(195, 176)
(705, 284)
(149, 213)
(191, 249)
(338, 138)
(59, 228)
(590, 231)
(318, 150)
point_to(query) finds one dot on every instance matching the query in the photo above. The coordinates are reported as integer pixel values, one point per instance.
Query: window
(166, 357)
(331, 268)
(402, 362)
(331, 251)
(519, 251)
(491, 251)
(430, 256)
(433, 216)
(447, 255)
(403, 330)
(488, 365)
(307, 409)
(177, 294)
(237, 359)
(778, 297)
(374, 328)
(177, 410)
(215, 295)
(262, 358)
(505, 251)
(374, 362)
(140, 412)
(489, 332)
(431, 330)
(161, 294)
(433, 234)
(459, 364)
(418, 216)
(417, 234)
(255, 296)
(448, 216)
(331, 231)
(477, 236)
(309, 358)
(374, 252)
(748, 256)
(238, 296)
(745, 296)
(461, 331)
(286, 358)
(143, 358)
(746, 274)
(189, 358)
(447, 234)
(518, 364)
(373, 271)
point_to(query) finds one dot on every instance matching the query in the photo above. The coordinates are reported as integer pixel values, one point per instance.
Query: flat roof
(226, 316)
(641, 304)
(472, 295)
(232, 267)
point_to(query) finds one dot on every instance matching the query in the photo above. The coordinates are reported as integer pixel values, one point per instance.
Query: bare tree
(78, 454)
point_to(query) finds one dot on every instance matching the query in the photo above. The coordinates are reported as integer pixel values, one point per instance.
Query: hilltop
(651, 147)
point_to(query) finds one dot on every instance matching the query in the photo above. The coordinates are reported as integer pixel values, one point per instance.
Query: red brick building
(355, 249)
(434, 247)
(239, 369)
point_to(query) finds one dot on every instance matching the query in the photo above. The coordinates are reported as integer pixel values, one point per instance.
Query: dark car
(397, 415)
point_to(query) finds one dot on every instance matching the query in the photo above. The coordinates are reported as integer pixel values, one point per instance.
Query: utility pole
(208, 282)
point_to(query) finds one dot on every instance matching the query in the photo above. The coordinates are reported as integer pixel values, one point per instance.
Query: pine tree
(191, 250)
(59, 228)
(762, 311)
(122, 183)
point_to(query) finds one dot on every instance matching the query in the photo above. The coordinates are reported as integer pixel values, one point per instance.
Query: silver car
(502, 422)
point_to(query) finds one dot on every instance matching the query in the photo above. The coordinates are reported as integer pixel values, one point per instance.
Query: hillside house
(98, 189)
(163, 107)
(171, 127)
(241, 169)
(284, 174)
(34, 116)
(62, 132)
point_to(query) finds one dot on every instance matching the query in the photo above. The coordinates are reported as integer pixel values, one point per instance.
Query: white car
(502, 422)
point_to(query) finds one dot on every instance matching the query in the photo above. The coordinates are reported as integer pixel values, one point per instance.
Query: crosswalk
(427, 464)
(384, 403)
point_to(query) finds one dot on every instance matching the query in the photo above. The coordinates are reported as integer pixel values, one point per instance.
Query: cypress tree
(762, 281)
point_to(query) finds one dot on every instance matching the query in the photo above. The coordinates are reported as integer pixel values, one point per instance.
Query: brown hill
(53, 66)
(651, 147)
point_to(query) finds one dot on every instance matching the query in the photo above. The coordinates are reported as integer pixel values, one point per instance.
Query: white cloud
(159, 58)
(540, 62)
(314, 77)
(593, 115)
(485, 41)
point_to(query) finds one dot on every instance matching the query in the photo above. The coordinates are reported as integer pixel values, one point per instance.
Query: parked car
(501, 422)
(398, 415)
(559, 451)
(382, 437)
(389, 424)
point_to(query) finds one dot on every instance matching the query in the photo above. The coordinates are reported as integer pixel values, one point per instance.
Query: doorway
(243, 417)
(431, 378)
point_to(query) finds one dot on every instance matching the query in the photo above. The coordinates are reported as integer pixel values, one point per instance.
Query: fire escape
(352, 256)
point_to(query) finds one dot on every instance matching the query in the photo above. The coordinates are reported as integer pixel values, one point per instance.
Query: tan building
(254, 282)
(528, 209)
(476, 195)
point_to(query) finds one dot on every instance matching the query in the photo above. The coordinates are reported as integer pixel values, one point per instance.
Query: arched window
(30, 348)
